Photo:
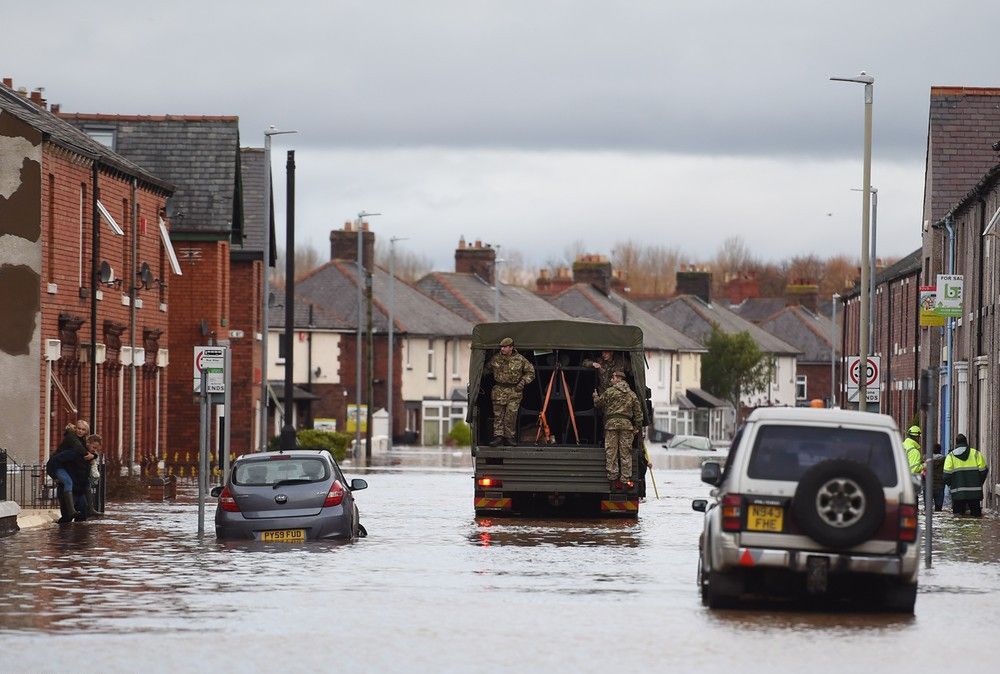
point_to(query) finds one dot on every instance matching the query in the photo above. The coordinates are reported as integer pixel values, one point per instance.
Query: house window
(83, 216)
(454, 359)
(406, 356)
(51, 229)
(430, 359)
(677, 372)
(661, 374)
(800, 387)
(282, 348)
(105, 136)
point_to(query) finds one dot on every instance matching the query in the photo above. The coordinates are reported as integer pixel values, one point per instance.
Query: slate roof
(199, 155)
(808, 332)
(756, 309)
(252, 168)
(905, 266)
(583, 300)
(333, 287)
(323, 317)
(472, 298)
(964, 123)
(695, 318)
(60, 132)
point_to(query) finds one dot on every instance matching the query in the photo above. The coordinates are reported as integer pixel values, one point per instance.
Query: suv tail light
(908, 523)
(335, 495)
(732, 512)
(227, 502)
(489, 483)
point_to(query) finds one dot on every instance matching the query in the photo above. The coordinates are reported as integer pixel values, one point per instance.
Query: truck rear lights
(908, 523)
(335, 495)
(227, 502)
(489, 483)
(732, 512)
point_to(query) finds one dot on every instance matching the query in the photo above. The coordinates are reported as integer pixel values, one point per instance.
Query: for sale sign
(949, 295)
(929, 318)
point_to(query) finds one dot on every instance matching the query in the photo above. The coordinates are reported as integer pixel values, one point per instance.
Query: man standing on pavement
(965, 472)
(622, 419)
(914, 457)
(605, 365)
(511, 373)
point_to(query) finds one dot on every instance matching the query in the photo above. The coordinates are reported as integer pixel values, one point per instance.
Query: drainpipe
(95, 252)
(309, 366)
(950, 330)
(133, 291)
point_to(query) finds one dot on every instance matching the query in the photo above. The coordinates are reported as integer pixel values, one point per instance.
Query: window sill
(431, 376)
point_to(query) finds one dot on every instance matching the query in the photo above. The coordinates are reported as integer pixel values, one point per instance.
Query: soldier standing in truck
(605, 365)
(622, 419)
(511, 373)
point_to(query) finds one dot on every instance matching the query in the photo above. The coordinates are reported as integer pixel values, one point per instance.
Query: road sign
(211, 359)
(873, 375)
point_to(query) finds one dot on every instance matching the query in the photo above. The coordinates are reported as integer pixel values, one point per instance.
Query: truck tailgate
(544, 469)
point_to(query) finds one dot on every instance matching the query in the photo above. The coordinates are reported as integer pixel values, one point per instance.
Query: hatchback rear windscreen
(786, 452)
(267, 473)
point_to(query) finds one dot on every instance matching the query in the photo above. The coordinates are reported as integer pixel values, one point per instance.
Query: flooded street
(433, 590)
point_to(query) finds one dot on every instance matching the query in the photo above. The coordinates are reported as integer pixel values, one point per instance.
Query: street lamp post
(361, 320)
(833, 350)
(864, 326)
(872, 262)
(391, 360)
(266, 284)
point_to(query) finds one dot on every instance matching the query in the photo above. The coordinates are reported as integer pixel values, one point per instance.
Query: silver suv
(814, 502)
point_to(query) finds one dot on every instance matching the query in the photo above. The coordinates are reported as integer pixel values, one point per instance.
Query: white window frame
(431, 361)
(661, 372)
(406, 353)
(801, 380)
(454, 360)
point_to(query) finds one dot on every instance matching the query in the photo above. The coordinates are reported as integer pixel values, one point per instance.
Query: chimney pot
(461, 243)
(8, 82)
(56, 107)
(479, 244)
(478, 259)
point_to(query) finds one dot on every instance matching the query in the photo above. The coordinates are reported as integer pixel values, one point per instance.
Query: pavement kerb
(36, 518)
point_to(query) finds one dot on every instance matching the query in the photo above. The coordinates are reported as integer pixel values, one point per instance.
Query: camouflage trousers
(505, 407)
(618, 446)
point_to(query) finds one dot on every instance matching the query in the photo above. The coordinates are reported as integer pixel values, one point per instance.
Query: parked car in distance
(287, 497)
(699, 442)
(811, 502)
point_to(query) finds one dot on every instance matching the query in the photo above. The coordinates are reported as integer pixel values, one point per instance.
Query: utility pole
(391, 358)
(288, 427)
(370, 394)
(358, 334)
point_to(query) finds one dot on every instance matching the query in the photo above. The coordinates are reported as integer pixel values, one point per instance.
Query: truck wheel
(723, 590)
(839, 503)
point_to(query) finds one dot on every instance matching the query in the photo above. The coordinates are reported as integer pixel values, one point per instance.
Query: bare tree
(307, 258)
(649, 270)
(407, 265)
(515, 270)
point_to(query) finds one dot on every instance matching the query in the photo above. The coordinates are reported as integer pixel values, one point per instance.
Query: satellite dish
(146, 276)
(106, 274)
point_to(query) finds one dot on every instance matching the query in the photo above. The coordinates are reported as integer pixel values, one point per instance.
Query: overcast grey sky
(531, 124)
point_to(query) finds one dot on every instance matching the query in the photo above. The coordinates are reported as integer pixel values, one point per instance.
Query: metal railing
(30, 487)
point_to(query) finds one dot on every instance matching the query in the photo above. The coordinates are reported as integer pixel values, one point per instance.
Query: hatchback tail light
(908, 523)
(227, 502)
(732, 512)
(335, 495)
(489, 482)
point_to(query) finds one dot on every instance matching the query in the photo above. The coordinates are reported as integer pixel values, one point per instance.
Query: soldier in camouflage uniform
(605, 365)
(511, 373)
(622, 419)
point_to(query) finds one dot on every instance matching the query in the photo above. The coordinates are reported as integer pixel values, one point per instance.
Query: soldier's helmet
(506, 341)
(914, 431)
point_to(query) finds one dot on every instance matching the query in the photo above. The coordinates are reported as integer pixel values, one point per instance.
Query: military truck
(556, 465)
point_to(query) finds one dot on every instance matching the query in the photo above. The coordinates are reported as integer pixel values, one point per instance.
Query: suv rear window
(266, 473)
(786, 452)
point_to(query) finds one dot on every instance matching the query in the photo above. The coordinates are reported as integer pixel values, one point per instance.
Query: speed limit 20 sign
(871, 376)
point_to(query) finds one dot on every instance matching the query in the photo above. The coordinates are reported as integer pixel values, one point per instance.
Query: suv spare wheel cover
(839, 503)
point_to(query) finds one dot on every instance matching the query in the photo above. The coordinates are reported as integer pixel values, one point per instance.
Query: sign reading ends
(211, 359)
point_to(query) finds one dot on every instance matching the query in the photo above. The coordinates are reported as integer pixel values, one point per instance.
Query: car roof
(291, 452)
(806, 415)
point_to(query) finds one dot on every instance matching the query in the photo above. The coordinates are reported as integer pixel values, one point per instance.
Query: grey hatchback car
(287, 497)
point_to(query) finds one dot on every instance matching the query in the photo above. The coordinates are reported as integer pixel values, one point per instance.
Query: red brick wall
(62, 176)
(817, 380)
(201, 294)
(245, 300)
(348, 373)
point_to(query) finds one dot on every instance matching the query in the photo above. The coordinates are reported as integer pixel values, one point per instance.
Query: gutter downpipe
(950, 330)
(95, 251)
(133, 291)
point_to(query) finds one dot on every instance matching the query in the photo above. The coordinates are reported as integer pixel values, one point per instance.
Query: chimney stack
(595, 270)
(802, 293)
(344, 245)
(553, 284)
(8, 82)
(695, 282)
(476, 259)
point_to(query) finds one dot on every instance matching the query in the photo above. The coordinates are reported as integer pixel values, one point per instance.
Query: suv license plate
(284, 536)
(765, 518)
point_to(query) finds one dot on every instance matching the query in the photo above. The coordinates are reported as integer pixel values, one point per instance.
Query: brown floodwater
(434, 590)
